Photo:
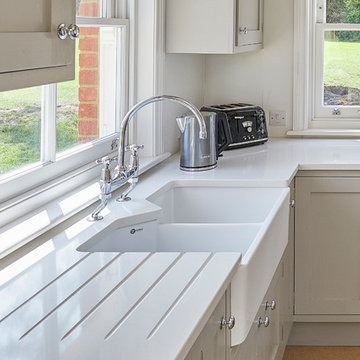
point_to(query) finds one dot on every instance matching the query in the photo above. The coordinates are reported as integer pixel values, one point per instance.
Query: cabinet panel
(200, 26)
(211, 343)
(327, 246)
(29, 41)
(34, 16)
(250, 22)
(212, 26)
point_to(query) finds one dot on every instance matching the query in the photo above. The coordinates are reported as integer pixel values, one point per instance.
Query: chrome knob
(62, 32)
(73, 31)
(229, 323)
(270, 305)
(243, 30)
(265, 322)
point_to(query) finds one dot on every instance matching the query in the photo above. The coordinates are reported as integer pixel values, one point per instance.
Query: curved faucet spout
(138, 106)
(130, 173)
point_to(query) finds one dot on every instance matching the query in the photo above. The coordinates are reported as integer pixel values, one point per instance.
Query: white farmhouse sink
(251, 221)
(209, 204)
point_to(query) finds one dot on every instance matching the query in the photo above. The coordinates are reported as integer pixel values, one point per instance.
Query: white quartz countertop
(273, 164)
(59, 303)
(111, 305)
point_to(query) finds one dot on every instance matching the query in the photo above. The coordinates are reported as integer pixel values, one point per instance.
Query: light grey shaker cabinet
(327, 246)
(31, 52)
(212, 341)
(214, 26)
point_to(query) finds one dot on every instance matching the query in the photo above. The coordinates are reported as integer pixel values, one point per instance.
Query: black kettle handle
(224, 123)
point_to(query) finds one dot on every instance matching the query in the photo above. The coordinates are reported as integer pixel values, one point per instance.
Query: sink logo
(133, 231)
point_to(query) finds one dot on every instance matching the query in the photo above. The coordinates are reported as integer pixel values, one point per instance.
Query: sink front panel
(206, 237)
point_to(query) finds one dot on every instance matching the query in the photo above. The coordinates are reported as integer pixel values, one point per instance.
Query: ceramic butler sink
(212, 204)
(252, 221)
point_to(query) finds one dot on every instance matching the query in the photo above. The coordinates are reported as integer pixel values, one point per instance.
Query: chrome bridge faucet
(129, 173)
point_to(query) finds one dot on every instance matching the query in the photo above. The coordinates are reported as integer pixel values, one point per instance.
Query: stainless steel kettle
(201, 154)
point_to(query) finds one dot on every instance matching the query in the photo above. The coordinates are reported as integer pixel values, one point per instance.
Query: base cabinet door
(211, 343)
(327, 246)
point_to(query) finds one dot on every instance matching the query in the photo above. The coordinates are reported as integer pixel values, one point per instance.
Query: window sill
(325, 133)
(26, 228)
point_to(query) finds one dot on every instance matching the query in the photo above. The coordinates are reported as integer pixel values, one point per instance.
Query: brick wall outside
(89, 74)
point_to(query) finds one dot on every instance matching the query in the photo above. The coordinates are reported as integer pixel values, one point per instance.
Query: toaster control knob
(249, 129)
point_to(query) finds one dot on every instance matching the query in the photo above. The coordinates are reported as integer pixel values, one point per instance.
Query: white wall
(262, 77)
(184, 77)
(158, 73)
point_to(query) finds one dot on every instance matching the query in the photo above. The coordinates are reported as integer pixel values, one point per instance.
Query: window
(337, 75)
(326, 63)
(49, 131)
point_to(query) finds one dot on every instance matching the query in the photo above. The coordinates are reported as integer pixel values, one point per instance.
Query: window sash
(308, 111)
(53, 165)
(323, 114)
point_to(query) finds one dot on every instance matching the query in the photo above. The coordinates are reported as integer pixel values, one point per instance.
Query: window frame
(52, 166)
(42, 199)
(310, 117)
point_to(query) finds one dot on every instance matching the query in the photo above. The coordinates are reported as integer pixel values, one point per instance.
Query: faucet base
(123, 199)
(94, 218)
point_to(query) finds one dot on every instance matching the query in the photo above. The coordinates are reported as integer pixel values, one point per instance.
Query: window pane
(20, 134)
(343, 11)
(90, 8)
(341, 68)
(86, 106)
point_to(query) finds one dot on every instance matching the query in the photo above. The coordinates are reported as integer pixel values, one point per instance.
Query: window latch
(336, 111)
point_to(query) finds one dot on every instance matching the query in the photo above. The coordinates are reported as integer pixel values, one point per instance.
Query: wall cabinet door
(250, 22)
(327, 246)
(31, 52)
(213, 26)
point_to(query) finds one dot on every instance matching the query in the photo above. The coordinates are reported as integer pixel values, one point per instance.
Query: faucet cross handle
(106, 160)
(134, 148)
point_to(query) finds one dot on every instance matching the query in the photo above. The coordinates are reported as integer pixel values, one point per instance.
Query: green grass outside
(342, 63)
